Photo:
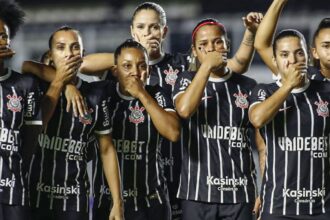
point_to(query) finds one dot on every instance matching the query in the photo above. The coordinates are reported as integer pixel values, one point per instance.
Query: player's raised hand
(75, 100)
(293, 74)
(134, 86)
(6, 52)
(252, 20)
(214, 59)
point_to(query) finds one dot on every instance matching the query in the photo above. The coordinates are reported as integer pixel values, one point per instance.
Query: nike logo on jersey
(283, 109)
(206, 97)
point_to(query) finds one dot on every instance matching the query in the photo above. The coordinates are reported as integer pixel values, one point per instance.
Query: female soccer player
(58, 181)
(20, 121)
(142, 115)
(321, 51)
(217, 178)
(320, 44)
(293, 117)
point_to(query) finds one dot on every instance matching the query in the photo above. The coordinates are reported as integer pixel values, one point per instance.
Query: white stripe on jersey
(323, 159)
(1, 166)
(40, 174)
(135, 165)
(286, 159)
(312, 167)
(180, 178)
(160, 76)
(147, 159)
(274, 167)
(159, 199)
(55, 153)
(218, 142)
(78, 168)
(299, 154)
(122, 154)
(241, 153)
(189, 146)
(199, 157)
(11, 152)
(67, 164)
(157, 154)
(208, 149)
(231, 125)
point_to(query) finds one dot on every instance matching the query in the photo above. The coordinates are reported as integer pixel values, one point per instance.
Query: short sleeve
(32, 111)
(258, 95)
(182, 83)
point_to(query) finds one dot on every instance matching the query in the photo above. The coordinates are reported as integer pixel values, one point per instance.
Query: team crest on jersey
(171, 76)
(14, 103)
(322, 108)
(87, 119)
(241, 100)
(136, 115)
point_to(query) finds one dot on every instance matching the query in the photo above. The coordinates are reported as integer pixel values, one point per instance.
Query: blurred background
(104, 24)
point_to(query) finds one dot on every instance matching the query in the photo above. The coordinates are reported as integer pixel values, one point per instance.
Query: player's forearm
(98, 63)
(261, 148)
(111, 170)
(40, 70)
(50, 100)
(242, 59)
(188, 102)
(167, 123)
(260, 114)
(267, 27)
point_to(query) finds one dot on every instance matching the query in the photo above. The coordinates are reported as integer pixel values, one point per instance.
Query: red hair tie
(206, 23)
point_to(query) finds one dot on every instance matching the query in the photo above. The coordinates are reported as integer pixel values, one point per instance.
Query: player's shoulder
(320, 86)
(24, 80)
(244, 80)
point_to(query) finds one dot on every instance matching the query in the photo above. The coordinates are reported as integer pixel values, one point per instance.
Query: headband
(206, 23)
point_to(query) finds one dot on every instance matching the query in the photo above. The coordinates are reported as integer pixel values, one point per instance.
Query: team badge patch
(87, 119)
(136, 115)
(241, 100)
(171, 76)
(322, 108)
(14, 103)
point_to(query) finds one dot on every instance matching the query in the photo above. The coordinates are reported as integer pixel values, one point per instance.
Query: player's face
(148, 31)
(209, 38)
(65, 45)
(4, 35)
(322, 48)
(132, 62)
(290, 51)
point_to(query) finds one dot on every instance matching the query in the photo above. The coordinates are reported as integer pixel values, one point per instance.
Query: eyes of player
(153, 27)
(74, 47)
(325, 45)
(128, 66)
(3, 36)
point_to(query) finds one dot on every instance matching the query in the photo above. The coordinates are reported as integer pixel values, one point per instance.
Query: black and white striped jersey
(297, 176)
(217, 164)
(19, 106)
(58, 176)
(138, 146)
(163, 72)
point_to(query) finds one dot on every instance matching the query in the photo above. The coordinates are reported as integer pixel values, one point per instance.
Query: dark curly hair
(12, 15)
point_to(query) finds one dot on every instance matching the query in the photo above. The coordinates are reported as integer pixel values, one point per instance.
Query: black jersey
(164, 72)
(296, 179)
(138, 146)
(217, 164)
(19, 105)
(58, 175)
(315, 74)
